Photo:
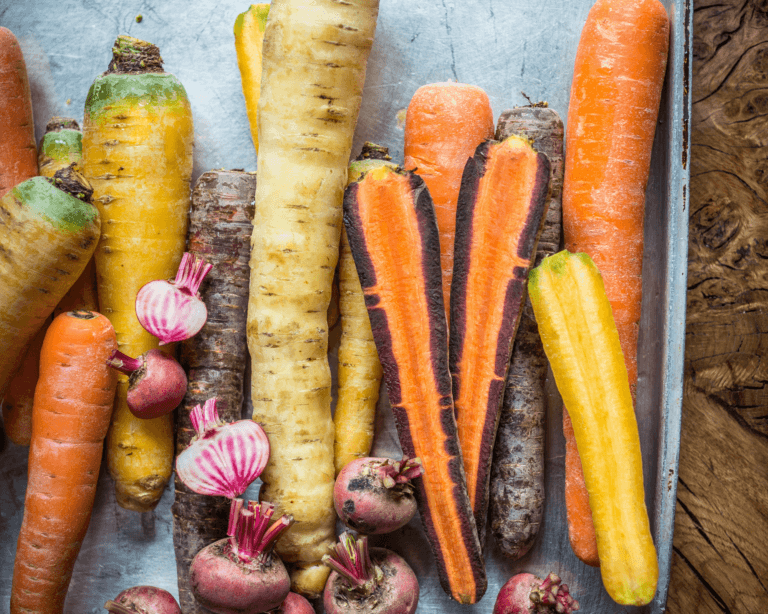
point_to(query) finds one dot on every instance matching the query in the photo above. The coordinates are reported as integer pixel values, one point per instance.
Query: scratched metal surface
(505, 47)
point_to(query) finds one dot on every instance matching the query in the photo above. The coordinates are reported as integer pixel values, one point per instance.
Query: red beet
(363, 581)
(143, 600)
(375, 495)
(524, 593)
(294, 604)
(240, 574)
(156, 384)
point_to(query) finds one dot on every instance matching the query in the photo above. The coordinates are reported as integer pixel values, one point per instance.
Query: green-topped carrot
(137, 152)
(46, 238)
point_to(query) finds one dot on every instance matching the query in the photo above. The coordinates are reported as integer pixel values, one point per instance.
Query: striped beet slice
(502, 206)
(392, 232)
(224, 458)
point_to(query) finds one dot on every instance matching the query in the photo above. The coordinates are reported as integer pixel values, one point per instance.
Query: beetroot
(375, 495)
(294, 604)
(156, 384)
(143, 600)
(524, 593)
(240, 574)
(375, 581)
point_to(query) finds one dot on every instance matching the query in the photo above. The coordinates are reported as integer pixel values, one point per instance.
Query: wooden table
(720, 559)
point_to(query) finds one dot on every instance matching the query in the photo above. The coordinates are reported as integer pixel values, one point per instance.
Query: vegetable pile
(452, 289)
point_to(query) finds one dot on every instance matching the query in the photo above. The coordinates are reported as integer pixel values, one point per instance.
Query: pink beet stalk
(223, 458)
(353, 561)
(375, 580)
(172, 310)
(250, 535)
(156, 385)
(400, 472)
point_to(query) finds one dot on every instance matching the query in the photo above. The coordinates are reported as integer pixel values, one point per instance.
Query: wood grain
(720, 561)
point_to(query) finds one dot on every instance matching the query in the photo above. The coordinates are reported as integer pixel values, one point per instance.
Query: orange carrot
(72, 408)
(581, 529)
(444, 124)
(18, 154)
(614, 104)
(17, 404)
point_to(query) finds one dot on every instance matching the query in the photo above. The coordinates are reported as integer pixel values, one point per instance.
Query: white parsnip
(314, 60)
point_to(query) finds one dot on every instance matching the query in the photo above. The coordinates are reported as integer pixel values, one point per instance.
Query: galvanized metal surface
(505, 47)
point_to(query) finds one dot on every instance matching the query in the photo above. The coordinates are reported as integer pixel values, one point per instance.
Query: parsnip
(314, 61)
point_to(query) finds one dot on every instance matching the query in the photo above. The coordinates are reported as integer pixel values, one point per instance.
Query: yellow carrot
(581, 341)
(359, 374)
(249, 37)
(137, 152)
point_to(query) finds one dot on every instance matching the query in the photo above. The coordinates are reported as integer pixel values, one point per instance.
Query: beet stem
(234, 514)
(353, 563)
(204, 418)
(248, 529)
(191, 273)
(118, 608)
(123, 363)
(270, 537)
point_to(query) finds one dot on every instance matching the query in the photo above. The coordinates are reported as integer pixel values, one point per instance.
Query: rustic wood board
(720, 561)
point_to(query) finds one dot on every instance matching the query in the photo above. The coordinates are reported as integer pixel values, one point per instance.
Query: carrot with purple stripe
(392, 231)
(502, 205)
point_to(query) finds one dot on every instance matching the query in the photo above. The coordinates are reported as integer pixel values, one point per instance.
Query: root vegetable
(359, 370)
(143, 600)
(70, 417)
(46, 238)
(20, 394)
(137, 152)
(582, 343)
(370, 581)
(314, 60)
(61, 145)
(172, 310)
(241, 574)
(444, 124)
(219, 231)
(517, 473)
(612, 111)
(392, 232)
(156, 384)
(375, 495)
(224, 458)
(18, 154)
(249, 38)
(501, 209)
(524, 593)
(294, 604)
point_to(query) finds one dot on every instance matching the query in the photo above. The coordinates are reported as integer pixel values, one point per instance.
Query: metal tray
(505, 47)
